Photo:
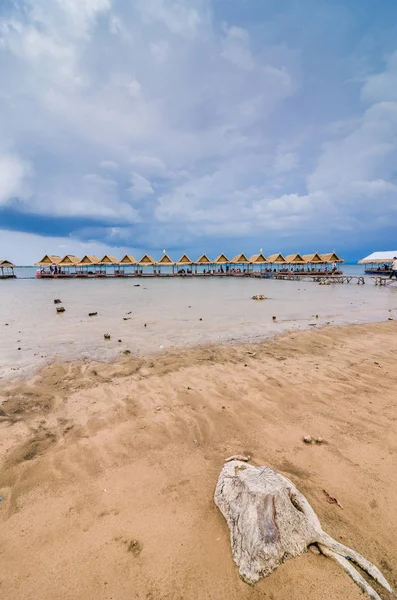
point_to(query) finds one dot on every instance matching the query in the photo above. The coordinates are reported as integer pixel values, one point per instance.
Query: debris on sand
(57, 301)
(134, 547)
(60, 309)
(332, 500)
(308, 439)
(93, 314)
(271, 521)
(106, 336)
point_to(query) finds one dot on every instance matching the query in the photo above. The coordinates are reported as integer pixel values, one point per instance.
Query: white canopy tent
(379, 257)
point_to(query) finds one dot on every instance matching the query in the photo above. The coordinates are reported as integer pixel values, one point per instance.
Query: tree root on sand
(270, 521)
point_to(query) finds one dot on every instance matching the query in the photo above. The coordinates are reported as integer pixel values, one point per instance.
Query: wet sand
(164, 314)
(108, 469)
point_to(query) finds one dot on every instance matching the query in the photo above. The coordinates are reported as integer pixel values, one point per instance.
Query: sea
(152, 315)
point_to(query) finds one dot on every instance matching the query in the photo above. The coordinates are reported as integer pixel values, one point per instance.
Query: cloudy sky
(197, 125)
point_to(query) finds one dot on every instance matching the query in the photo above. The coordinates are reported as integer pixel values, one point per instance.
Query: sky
(197, 126)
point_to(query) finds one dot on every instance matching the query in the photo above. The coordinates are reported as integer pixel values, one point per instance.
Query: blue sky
(200, 125)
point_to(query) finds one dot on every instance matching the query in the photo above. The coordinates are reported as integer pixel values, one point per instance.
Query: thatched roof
(184, 260)
(6, 263)
(89, 260)
(69, 260)
(48, 260)
(239, 259)
(108, 259)
(312, 258)
(331, 257)
(203, 260)
(128, 260)
(379, 257)
(165, 260)
(258, 259)
(147, 260)
(276, 259)
(295, 259)
(221, 259)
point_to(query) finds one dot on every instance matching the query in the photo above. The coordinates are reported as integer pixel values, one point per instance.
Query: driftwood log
(270, 521)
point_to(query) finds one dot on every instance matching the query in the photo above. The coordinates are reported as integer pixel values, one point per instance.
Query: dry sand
(108, 470)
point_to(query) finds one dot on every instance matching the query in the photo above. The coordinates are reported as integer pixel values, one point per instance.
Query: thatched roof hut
(332, 257)
(128, 260)
(221, 260)
(313, 258)
(108, 259)
(87, 261)
(240, 259)
(147, 260)
(69, 260)
(6, 264)
(48, 260)
(184, 260)
(258, 259)
(165, 260)
(295, 259)
(203, 260)
(276, 259)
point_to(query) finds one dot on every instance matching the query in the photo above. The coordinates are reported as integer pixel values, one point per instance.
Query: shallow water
(172, 310)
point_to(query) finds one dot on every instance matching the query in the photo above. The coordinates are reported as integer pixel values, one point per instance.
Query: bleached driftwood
(271, 521)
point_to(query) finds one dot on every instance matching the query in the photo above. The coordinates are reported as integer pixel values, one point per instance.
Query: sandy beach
(108, 469)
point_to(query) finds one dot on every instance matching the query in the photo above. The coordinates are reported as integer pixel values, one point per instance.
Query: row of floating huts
(257, 265)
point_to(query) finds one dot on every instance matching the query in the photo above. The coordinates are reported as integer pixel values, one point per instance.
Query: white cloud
(368, 152)
(108, 164)
(134, 88)
(159, 51)
(236, 47)
(115, 25)
(162, 118)
(382, 87)
(141, 187)
(286, 161)
(27, 248)
(179, 16)
(149, 165)
(13, 178)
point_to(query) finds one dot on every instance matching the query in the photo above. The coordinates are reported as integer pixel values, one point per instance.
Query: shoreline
(115, 353)
(20, 374)
(158, 315)
(95, 456)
